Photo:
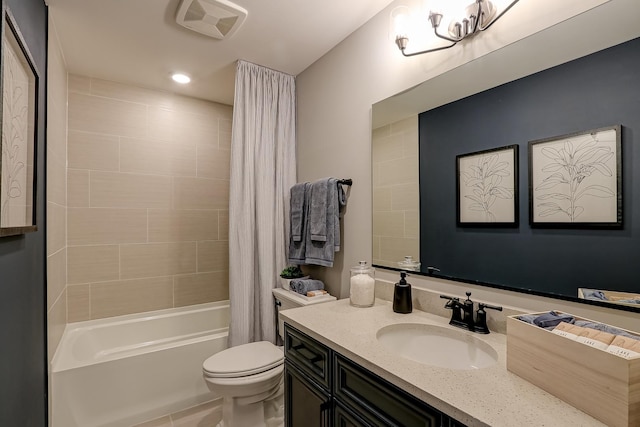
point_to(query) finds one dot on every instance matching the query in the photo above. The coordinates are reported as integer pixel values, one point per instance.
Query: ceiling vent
(215, 18)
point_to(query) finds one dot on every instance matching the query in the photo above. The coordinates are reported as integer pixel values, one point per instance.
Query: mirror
(400, 183)
(19, 89)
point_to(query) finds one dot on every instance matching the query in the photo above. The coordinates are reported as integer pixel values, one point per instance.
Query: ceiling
(139, 42)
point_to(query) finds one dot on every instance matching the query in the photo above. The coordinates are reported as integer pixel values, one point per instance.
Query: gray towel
(302, 286)
(297, 249)
(297, 205)
(318, 221)
(342, 202)
(321, 252)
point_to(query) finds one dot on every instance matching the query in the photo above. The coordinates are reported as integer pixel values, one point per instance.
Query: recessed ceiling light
(181, 78)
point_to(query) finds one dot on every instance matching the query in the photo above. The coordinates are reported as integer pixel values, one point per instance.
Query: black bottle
(402, 296)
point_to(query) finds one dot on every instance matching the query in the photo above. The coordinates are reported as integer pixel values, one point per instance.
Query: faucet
(462, 314)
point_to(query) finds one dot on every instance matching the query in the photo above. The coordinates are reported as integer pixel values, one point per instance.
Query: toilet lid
(243, 360)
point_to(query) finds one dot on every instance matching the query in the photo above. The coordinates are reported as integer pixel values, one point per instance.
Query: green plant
(292, 272)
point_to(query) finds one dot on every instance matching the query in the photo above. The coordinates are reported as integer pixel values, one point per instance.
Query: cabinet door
(306, 403)
(342, 417)
(313, 358)
(376, 400)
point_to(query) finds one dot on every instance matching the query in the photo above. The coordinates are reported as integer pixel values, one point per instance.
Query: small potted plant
(290, 273)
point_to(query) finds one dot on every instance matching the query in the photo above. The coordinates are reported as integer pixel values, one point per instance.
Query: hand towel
(551, 319)
(297, 248)
(321, 252)
(302, 286)
(320, 199)
(297, 205)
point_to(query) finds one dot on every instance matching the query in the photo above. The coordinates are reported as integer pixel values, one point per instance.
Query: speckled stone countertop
(490, 396)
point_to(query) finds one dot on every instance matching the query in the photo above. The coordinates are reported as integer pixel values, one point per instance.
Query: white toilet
(249, 377)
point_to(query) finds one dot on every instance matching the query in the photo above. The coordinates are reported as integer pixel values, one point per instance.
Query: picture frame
(487, 188)
(19, 85)
(575, 180)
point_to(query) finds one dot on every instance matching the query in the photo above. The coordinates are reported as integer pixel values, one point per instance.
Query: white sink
(437, 346)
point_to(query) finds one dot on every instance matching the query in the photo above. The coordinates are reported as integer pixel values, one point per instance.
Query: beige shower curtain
(263, 169)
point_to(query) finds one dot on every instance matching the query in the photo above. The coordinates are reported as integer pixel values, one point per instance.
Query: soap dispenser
(402, 296)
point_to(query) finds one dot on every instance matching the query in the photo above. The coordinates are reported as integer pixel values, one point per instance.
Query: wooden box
(603, 385)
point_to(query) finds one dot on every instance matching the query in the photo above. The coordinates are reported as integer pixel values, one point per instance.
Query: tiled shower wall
(147, 194)
(56, 192)
(396, 196)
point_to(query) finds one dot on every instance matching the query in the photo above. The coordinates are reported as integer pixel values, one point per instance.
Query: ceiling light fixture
(462, 21)
(181, 78)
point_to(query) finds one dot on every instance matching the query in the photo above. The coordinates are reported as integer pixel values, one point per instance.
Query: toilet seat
(244, 360)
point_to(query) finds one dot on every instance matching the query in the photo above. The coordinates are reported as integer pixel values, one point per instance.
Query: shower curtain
(263, 169)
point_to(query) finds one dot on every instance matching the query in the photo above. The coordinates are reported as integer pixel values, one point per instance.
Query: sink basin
(437, 346)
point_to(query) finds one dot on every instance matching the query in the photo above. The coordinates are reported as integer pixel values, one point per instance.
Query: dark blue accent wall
(23, 358)
(599, 90)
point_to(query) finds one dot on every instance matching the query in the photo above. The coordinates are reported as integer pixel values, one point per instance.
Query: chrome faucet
(462, 315)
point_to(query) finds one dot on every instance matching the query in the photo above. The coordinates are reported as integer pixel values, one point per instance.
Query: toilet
(249, 377)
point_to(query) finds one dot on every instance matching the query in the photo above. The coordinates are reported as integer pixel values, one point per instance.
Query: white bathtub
(125, 370)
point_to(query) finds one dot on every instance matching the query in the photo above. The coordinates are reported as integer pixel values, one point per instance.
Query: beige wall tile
(93, 151)
(213, 162)
(130, 296)
(405, 197)
(213, 255)
(200, 193)
(56, 178)
(199, 106)
(56, 276)
(412, 224)
(396, 172)
(108, 116)
(382, 198)
(381, 132)
(86, 264)
(200, 288)
(411, 143)
(157, 157)
(157, 259)
(198, 128)
(124, 190)
(78, 303)
(57, 126)
(77, 188)
(130, 93)
(388, 223)
(389, 148)
(376, 247)
(56, 322)
(79, 84)
(224, 132)
(407, 125)
(182, 225)
(394, 249)
(223, 225)
(56, 228)
(161, 124)
(103, 226)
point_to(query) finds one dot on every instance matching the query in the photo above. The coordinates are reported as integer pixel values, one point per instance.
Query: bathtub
(125, 370)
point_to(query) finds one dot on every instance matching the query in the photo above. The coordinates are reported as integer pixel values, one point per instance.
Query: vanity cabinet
(307, 381)
(324, 388)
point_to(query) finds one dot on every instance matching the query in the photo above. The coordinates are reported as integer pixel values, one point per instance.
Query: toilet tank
(290, 299)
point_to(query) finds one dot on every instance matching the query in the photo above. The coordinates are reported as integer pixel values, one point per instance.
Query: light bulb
(181, 78)
(400, 22)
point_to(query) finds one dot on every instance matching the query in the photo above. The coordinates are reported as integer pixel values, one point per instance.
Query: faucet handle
(481, 317)
(452, 303)
(482, 306)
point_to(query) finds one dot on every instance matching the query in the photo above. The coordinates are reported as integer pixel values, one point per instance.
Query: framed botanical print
(575, 180)
(487, 188)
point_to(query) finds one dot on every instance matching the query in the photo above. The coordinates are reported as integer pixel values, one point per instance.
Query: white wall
(335, 94)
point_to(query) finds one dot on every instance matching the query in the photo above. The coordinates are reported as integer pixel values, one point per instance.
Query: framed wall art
(575, 180)
(487, 188)
(19, 87)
